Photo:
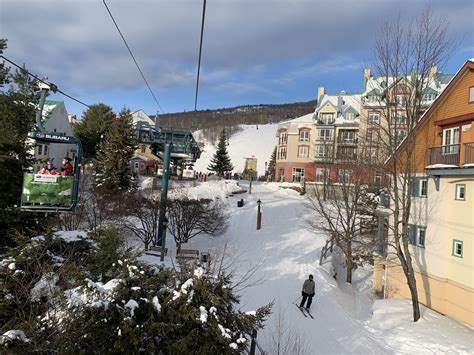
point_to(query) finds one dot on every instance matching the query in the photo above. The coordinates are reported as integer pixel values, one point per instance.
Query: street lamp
(259, 214)
(163, 239)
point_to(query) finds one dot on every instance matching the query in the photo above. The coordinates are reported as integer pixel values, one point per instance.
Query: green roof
(49, 114)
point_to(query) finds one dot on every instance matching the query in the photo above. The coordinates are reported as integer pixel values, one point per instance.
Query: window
(137, 165)
(327, 118)
(400, 135)
(323, 151)
(428, 97)
(298, 174)
(457, 248)
(461, 192)
(45, 149)
(143, 149)
(419, 186)
(303, 152)
(374, 117)
(325, 134)
(349, 116)
(40, 149)
(304, 136)
(451, 141)
(283, 138)
(400, 118)
(321, 174)
(372, 135)
(401, 100)
(378, 179)
(344, 176)
(471, 94)
(423, 188)
(282, 153)
(347, 136)
(371, 152)
(417, 235)
(281, 174)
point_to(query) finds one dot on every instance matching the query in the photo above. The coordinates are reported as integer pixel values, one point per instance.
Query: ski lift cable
(44, 82)
(200, 52)
(133, 57)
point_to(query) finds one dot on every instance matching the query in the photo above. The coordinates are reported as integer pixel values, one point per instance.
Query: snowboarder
(307, 292)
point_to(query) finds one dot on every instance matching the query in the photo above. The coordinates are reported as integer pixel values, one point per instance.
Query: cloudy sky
(255, 51)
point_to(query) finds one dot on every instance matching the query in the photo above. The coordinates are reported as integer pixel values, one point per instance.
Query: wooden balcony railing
(446, 154)
(469, 153)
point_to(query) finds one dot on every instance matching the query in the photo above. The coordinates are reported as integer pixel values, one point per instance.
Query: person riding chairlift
(68, 169)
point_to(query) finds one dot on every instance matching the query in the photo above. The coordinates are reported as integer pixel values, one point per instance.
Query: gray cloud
(76, 42)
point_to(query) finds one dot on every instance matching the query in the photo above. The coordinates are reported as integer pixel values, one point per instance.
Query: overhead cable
(133, 57)
(200, 51)
(41, 80)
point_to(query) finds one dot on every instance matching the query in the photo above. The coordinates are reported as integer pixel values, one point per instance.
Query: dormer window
(350, 116)
(327, 118)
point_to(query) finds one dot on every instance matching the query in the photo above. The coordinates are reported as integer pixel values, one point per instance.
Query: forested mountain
(211, 122)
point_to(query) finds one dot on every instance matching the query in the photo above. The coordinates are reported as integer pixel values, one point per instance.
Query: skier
(307, 292)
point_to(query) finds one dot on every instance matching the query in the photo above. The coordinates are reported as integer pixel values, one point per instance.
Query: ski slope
(283, 253)
(250, 142)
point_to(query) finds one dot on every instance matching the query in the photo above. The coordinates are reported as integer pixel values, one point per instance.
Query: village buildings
(441, 224)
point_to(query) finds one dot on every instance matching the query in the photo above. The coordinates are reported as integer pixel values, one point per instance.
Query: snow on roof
(49, 108)
(349, 100)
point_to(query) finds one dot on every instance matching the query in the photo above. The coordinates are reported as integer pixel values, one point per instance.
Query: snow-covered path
(284, 253)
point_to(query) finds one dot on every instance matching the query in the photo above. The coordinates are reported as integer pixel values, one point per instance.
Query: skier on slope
(307, 292)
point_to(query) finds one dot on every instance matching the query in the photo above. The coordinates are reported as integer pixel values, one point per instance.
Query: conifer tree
(90, 130)
(271, 165)
(113, 172)
(220, 162)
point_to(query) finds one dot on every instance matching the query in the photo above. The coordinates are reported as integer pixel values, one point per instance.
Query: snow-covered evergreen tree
(271, 166)
(220, 162)
(70, 294)
(113, 171)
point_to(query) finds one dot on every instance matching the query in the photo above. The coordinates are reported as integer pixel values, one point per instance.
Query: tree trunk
(349, 263)
(411, 281)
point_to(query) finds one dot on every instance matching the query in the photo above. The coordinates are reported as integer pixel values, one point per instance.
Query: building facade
(441, 225)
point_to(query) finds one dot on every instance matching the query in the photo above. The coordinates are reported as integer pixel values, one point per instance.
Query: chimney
(340, 102)
(433, 70)
(366, 73)
(321, 92)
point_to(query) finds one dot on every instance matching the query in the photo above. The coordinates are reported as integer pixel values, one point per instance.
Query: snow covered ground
(283, 253)
(249, 142)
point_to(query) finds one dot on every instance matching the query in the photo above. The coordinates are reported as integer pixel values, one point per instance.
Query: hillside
(211, 122)
(248, 141)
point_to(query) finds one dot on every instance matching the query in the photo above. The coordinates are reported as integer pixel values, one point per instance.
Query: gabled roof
(468, 65)
(50, 108)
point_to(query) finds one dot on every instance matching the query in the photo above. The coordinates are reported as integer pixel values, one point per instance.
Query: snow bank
(207, 190)
(71, 236)
(45, 287)
(12, 335)
(432, 333)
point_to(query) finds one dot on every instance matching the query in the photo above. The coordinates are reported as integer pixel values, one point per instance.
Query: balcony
(346, 157)
(348, 141)
(323, 159)
(446, 155)
(469, 153)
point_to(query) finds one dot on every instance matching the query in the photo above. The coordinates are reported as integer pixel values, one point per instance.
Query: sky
(254, 52)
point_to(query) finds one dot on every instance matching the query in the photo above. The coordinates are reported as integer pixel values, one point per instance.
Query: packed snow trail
(284, 252)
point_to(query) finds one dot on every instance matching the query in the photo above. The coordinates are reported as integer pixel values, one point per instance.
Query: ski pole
(297, 299)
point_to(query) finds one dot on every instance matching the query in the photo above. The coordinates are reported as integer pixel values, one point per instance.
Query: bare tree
(142, 218)
(347, 211)
(405, 56)
(189, 218)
